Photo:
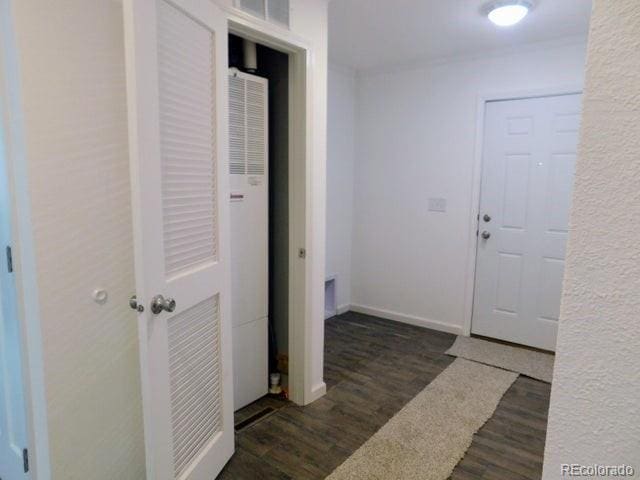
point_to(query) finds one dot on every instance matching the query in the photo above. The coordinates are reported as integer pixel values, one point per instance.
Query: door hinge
(9, 260)
(25, 460)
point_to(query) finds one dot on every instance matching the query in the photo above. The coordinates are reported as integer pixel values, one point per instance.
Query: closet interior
(259, 181)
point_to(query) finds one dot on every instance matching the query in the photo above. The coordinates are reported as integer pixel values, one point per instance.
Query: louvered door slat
(194, 368)
(187, 138)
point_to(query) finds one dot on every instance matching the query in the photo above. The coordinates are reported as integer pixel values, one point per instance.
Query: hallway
(373, 367)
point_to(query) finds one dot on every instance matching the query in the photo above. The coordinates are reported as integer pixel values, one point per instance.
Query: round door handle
(160, 304)
(486, 235)
(133, 303)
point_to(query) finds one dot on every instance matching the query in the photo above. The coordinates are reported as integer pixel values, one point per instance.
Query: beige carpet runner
(531, 363)
(430, 435)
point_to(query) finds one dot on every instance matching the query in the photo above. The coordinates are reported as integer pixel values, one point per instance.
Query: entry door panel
(176, 74)
(528, 168)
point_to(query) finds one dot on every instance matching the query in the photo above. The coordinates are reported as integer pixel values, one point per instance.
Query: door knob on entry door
(160, 304)
(486, 235)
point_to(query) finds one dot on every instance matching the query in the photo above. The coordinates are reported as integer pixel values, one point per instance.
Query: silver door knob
(486, 235)
(133, 303)
(160, 304)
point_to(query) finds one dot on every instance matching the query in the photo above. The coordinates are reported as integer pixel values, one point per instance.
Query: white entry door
(177, 88)
(527, 179)
(13, 426)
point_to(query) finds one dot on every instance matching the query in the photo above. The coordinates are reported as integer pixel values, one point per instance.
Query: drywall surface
(340, 168)
(416, 139)
(595, 399)
(72, 75)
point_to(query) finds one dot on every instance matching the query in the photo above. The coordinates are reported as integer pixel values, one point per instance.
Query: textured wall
(595, 401)
(340, 166)
(73, 83)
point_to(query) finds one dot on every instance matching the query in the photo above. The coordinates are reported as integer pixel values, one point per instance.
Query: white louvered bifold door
(177, 86)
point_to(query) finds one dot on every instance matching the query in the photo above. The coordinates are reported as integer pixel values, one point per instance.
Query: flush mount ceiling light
(508, 13)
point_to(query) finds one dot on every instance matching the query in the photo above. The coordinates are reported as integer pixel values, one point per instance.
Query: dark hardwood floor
(373, 367)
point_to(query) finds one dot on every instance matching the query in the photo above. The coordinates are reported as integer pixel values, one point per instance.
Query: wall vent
(274, 11)
(237, 125)
(248, 102)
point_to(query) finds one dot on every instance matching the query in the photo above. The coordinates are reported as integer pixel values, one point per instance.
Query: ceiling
(373, 34)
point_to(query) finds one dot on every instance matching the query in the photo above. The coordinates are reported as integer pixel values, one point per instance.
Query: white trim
(302, 281)
(331, 278)
(317, 392)
(409, 319)
(476, 180)
(270, 34)
(24, 252)
(343, 309)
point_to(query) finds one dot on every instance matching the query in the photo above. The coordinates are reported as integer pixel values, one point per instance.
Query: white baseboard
(317, 392)
(410, 319)
(343, 309)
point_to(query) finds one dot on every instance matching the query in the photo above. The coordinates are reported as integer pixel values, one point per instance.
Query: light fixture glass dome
(506, 14)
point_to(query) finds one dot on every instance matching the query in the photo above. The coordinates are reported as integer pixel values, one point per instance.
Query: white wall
(340, 168)
(72, 75)
(416, 134)
(595, 399)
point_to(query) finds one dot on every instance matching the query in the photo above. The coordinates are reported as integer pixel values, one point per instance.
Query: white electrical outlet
(437, 204)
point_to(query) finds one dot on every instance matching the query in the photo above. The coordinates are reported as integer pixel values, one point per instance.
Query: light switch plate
(437, 204)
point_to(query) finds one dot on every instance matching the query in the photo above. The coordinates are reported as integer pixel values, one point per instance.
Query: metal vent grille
(278, 11)
(254, 7)
(194, 373)
(187, 126)
(237, 125)
(275, 11)
(247, 124)
(256, 128)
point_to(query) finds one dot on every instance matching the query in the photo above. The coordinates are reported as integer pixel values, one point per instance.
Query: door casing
(472, 243)
(302, 281)
(23, 250)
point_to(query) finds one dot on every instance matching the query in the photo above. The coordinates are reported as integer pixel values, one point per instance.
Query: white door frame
(23, 250)
(302, 281)
(472, 243)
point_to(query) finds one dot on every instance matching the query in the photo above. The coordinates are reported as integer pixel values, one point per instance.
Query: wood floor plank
(373, 367)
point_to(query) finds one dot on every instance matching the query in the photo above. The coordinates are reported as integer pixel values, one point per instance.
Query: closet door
(177, 89)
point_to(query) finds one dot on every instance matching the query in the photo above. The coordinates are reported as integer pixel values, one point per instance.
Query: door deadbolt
(486, 218)
(160, 304)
